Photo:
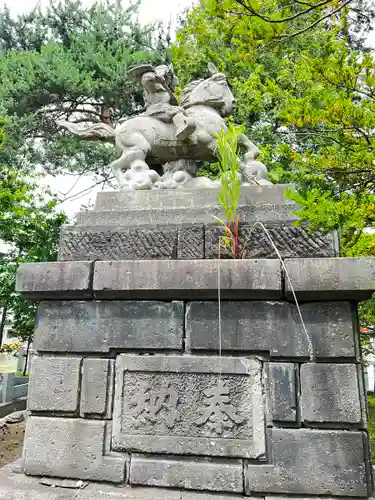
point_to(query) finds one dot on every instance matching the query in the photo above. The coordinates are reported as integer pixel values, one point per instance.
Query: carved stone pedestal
(128, 385)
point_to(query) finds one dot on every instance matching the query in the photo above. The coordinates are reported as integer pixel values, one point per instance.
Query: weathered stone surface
(174, 199)
(65, 280)
(56, 482)
(70, 448)
(99, 326)
(272, 327)
(290, 241)
(123, 243)
(192, 279)
(190, 242)
(267, 212)
(20, 487)
(275, 497)
(331, 279)
(54, 384)
(312, 462)
(282, 392)
(16, 417)
(169, 405)
(15, 405)
(257, 203)
(330, 393)
(117, 243)
(97, 388)
(191, 475)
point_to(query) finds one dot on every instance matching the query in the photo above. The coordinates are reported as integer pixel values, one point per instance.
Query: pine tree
(70, 61)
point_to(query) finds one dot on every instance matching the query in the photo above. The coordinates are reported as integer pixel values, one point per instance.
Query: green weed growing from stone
(230, 187)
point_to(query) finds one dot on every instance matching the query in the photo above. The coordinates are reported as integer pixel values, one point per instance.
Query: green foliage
(371, 423)
(69, 61)
(29, 225)
(307, 101)
(230, 187)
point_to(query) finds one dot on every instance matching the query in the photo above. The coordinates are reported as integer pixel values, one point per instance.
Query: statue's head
(148, 80)
(167, 72)
(213, 91)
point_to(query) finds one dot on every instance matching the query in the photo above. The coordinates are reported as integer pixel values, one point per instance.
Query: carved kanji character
(220, 414)
(150, 403)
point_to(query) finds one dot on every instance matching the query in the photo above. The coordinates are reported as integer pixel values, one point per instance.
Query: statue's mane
(185, 95)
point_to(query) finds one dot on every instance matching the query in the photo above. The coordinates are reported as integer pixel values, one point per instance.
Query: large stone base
(137, 382)
(134, 392)
(181, 225)
(17, 486)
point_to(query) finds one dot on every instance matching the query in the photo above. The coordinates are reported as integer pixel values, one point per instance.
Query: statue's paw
(153, 176)
(255, 170)
(142, 183)
(181, 177)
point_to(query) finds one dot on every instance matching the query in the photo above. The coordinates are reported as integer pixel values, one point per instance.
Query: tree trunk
(3, 320)
(27, 356)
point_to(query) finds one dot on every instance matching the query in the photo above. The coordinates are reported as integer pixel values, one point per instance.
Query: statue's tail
(99, 131)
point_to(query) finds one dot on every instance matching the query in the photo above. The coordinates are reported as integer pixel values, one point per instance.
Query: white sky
(151, 10)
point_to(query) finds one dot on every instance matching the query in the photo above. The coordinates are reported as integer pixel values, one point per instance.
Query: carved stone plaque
(189, 405)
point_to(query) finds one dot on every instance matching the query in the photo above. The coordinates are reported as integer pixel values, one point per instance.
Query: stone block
(190, 475)
(189, 405)
(99, 326)
(271, 327)
(117, 243)
(7, 383)
(312, 462)
(188, 279)
(70, 448)
(190, 242)
(331, 278)
(21, 487)
(54, 384)
(290, 242)
(266, 213)
(164, 208)
(280, 497)
(97, 388)
(123, 243)
(180, 198)
(48, 280)
(282, 392)
(330, 393)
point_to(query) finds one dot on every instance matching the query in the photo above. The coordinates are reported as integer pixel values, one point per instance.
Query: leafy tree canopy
(69, 62)
(307, 100)
(293, 18)
(29, 226)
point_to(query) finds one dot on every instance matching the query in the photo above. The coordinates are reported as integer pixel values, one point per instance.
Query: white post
(21, 360)
(6, 387)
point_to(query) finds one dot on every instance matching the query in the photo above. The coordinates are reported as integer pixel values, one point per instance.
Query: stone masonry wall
(128, 385)
(180, 225)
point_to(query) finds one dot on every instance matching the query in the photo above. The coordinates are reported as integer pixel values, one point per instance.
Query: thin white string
(219, 301)
(307, 336)
(311, 349)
